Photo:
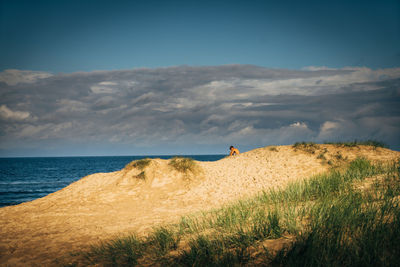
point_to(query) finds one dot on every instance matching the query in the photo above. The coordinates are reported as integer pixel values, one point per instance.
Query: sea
(26, 179)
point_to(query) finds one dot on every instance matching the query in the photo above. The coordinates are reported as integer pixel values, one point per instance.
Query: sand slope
(103, 205)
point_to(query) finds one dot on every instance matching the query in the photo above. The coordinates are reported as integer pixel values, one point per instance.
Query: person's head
(231, 147)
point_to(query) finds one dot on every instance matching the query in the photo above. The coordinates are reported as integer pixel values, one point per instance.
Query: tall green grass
(333, 224)
(124, 251)
(354, 229)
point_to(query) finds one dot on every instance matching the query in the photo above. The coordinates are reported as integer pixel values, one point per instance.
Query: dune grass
(182, 164)
(140, 164)
(309, 147)
(354, 229)
(123, 251)
(355, 143)
(141, 175)
(272, 148)
(327, 220)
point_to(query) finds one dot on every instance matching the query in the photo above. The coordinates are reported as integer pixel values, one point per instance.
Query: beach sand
(105, 205)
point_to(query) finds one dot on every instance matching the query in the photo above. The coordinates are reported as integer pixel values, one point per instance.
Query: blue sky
(194, 77)
(70, 36)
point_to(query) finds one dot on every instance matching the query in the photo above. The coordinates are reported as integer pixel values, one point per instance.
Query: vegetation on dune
(330, 157)
(309, 147)
(141, 175)
(326, 220)
(163, 240)
(183, 164)
(355, 143)
(272, 148)
(304, 144)
(124, 251)
(312, 147)
(356, 228)
(139, 164)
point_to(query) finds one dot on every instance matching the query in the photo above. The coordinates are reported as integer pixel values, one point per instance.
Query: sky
(87, 35)
(193, 77)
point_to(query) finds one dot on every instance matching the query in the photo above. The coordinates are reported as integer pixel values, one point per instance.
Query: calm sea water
(26, 179)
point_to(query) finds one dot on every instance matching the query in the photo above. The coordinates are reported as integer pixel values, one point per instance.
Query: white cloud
(35, 131)
(8, 114)
(13, 77)
(241, 89)
(386, 129)
(317, 68)
(362, 74)
(110, 87)
(299, 125)
(308, 86)
(328, 130)
(105, 87)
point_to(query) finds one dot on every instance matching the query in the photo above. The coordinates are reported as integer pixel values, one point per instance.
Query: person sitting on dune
(234, 151)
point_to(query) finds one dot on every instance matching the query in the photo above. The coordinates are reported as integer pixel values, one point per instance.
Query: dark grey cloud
(190, 109)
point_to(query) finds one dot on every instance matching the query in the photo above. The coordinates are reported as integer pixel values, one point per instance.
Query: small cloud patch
(8, 114)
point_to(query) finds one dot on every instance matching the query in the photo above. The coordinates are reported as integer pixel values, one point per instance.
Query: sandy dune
(103, 205)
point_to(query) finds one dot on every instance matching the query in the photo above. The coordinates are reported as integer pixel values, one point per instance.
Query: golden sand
(103, 205)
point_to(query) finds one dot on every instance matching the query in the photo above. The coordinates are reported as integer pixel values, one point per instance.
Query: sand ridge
(103, 205)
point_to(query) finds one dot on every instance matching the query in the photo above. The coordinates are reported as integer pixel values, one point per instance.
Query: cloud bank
(191, 110)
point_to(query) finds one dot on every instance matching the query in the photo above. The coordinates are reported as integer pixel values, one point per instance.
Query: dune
(135, 199)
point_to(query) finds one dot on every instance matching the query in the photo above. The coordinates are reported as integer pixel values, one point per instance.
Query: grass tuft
(123, 251)
(183, 164)
(141, 175)
(140, 164)
(272, 148)
(163, 240)
(309, 147)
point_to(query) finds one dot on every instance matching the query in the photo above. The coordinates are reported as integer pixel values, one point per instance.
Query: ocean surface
(26, 179)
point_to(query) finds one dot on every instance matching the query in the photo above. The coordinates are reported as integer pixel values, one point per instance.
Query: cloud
(330, 129)
(300, 125)
(374, 127)
(184, 108)
(8, 114)
(316, 68)
(13, 77)
(104, 88)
